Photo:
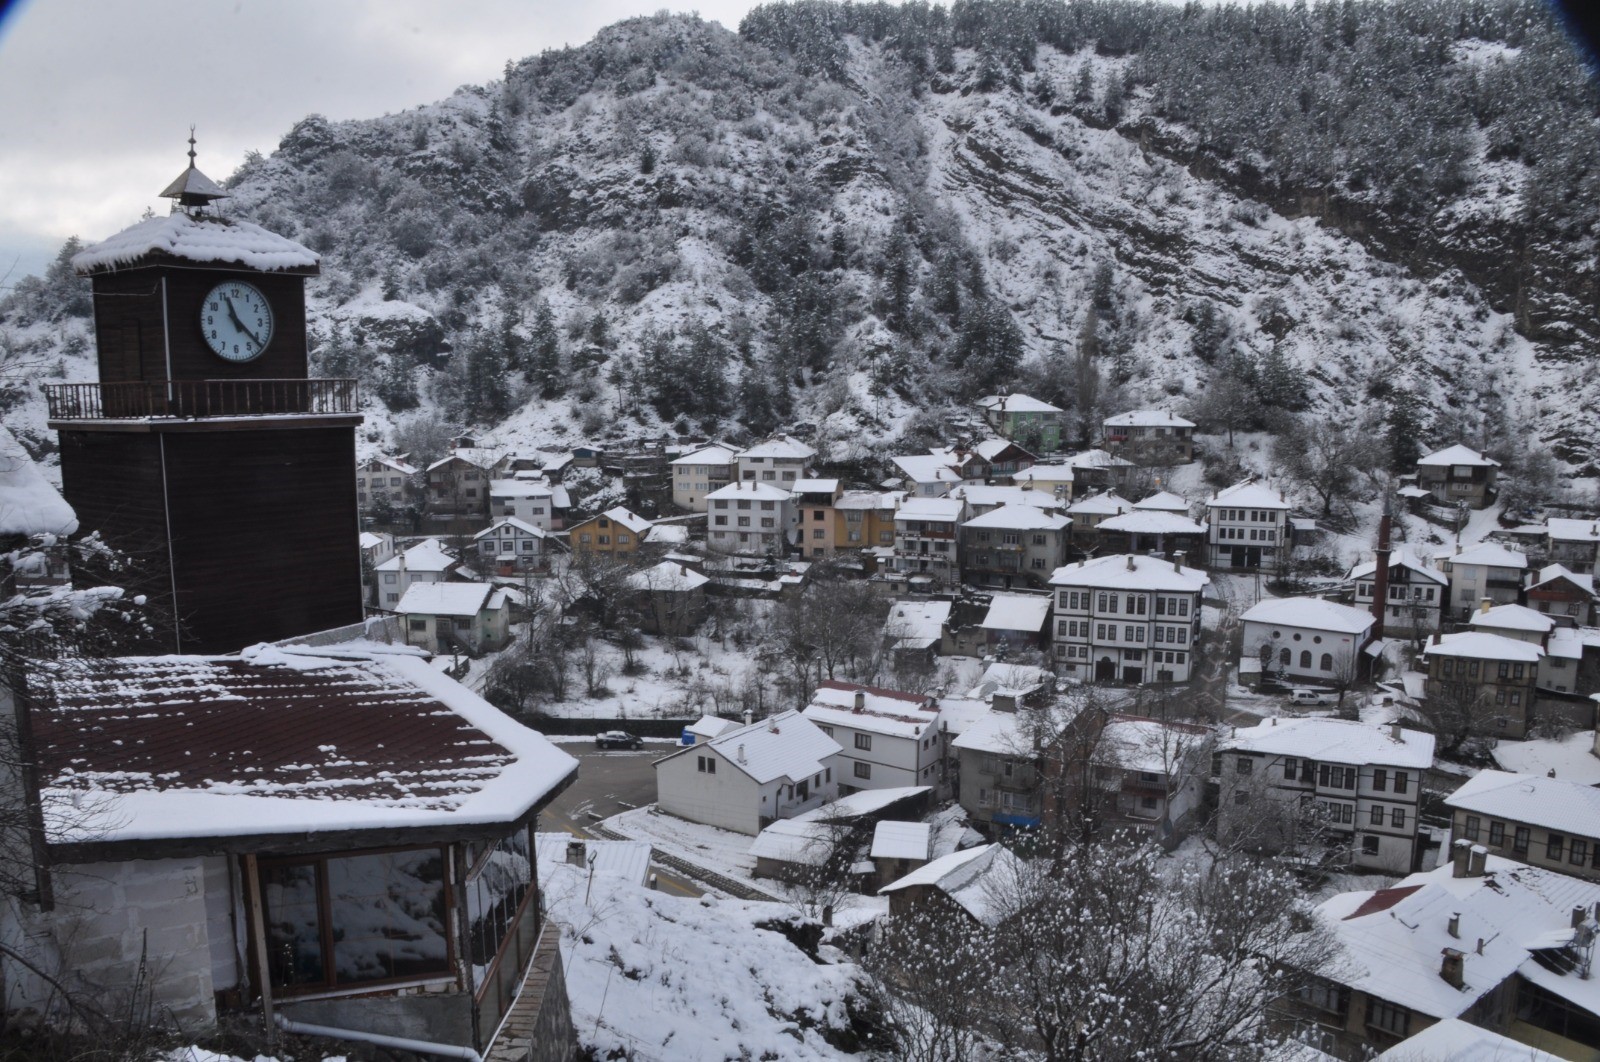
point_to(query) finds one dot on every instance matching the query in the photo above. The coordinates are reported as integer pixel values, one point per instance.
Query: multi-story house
(1100, 470)
(458, 483)
(1028, 422)
(1089, 512)
(1563, 595)
(1013, 545)
(536, 502)
(616, 533)
(700, 473)
(385, 481)
(813, 506)
(1152, 531)
(1309, 639)
(1150, 437)
(1484, 571)
(426, 562)
(751, 518)
(780, 461)
(1058, 481)
(930, 475)
(1248, 527)
(509, 546)
(443, 618)
(1574, 543)
(1157, 771)
(1312, 785)
(1459, 474)
(1126, 618)
(1488, 677)
(1414, 597)
(926, 544)
(994, 459)
(1002, 759)
(1544, 822)
(864, 519)
(888, 739)
(983, 498)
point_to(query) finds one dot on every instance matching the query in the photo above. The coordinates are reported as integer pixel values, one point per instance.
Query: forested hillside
(853, 216)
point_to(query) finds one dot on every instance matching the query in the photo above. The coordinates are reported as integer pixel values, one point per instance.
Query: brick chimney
(1460, 857)
(1451, 968)
(1380, 582)
(1453, 927)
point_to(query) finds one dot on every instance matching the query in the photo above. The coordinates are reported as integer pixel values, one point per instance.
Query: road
(609, 782)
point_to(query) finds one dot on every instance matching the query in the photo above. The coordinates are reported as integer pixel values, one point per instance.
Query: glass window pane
(387, 913)
(294, 941)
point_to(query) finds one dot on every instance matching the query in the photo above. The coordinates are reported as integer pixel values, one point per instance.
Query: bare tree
(932, 975)
(1326, 456)
(1455, 711)
(832, 631)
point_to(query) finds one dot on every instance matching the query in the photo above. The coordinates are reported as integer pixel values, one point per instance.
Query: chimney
(749, 717)
(1130, 562)
(861, 701)
(1437, 638)
(1579, 913)
(1380, 582)
(1273, 720)
(1551, 773)
(1486, 604)
(1453, 927)
(1394, 731)
(1477, 861)
(1480, 945)
(1177, 560)
(575, 853)
(1460, 856)
(1451, 968)
(739, 754)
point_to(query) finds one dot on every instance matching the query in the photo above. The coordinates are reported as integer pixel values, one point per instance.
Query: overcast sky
(99, 94)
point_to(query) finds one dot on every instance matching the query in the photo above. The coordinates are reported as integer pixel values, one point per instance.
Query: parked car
(1312, 698)
(617, 739)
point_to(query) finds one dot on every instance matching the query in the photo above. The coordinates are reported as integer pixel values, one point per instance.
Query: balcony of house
(174, 401)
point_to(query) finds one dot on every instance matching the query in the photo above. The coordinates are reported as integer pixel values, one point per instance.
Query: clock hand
(233, 313)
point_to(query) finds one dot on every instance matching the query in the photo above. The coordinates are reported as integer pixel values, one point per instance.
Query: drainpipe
(399, 1043)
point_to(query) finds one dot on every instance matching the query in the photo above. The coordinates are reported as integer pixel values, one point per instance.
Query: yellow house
(862, 519)
(615, 533)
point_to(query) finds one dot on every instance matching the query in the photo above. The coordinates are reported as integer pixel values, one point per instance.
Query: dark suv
(617, 739)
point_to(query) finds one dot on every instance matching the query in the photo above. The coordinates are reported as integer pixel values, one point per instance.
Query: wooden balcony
(196, 399)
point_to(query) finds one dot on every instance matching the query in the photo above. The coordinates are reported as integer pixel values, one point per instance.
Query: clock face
(236, 320)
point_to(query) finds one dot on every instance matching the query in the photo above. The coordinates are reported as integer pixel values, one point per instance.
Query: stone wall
(539, 1027)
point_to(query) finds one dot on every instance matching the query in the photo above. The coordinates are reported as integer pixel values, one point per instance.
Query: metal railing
(141, 399)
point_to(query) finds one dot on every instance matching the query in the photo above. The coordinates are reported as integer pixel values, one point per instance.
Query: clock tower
(205, 450)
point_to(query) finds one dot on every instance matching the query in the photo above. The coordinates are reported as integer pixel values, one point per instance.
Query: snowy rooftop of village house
(477, 456)
(902, 840)
(1149, 745)
(714, 454)
(869, 499)
(1153, 522)
(1164, 501)
(927, 468)
(211, 240)
(1310, 613)
(666, 576)
(1129, 571)
(1148, 418)
(814, 486)
(709, 726)
(523, 488)
(1458, 1041)
(448, 599)
(804, 841)
(1100, 504)
(916, 624)
(1000, 733)
(1552, 572)
(628, 519)
(1489, 553)
(1017, 612)
(623, 860)
(942, 510)
(1571, 758)
(426, 556)
(999, 494)
(1562, 804)
(1456, 455)
(510, 521)
(989, 449)
(1393, 938)
(882, 711)
(1512, 618)
(748, 490)
(1022, 517)
(1401, 558)
(786, 745)
(1016, 404)
(1015, 679)
(978, 879)
(1248, 495)
(862, 802)
(395, 464)
(276, 741)
(1097, 459)
(780, 446)
(29, 505)
(1043, 474)
(1566, 529)
(1482, 645)
(1336, 741)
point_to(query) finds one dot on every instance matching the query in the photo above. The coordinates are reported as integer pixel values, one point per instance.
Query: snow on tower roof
(1016, 404)
(1481, 645)
(1490, 553)
(1554, 803)
(1127, 571)
(1312, 613)
(211, 240)
(780, 446)
(1335, 740)
(1020, 517)
(1148, 418)
(1512, 618)
(1248, 495)
(1457, 455)
(1016, 612)
(29, 505)
(786, 745)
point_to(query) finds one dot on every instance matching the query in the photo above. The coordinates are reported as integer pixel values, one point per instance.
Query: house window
(1397, 818)
(1553, 846)
(864, 742)
(1470, 830)
(1400, 781)
(1290, 766)
(1380, 779)
(1324, 996)
(1245, 765)
(356, 920)
(497, 888)
(1377, 814)
(706, 764)
(1387, 1017)
(389, 578)
(1519, 842)
(1369, 844)
(1497, 834)
(419, 625)
(1578, 852)
(863, 770)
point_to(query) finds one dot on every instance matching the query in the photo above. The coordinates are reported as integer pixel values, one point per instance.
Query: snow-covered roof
(883, 711)
(480, 457)
(1017, 612)
(782, 446)
(1248, 495)
(1016, 404)
(945, 510)
(804, 841)
(978, 879)
(1043, 474)
(1134, 744)
(520, 488)
(1512, 618)
(368, 539)
(212, 240)
(1000, 733)
(1490, 553)
(1129, 571)
(510, 521)
(916, 624)
(989, 449)
(1152, 522)
(1456, 455)
(870, 499)
(1148, 418)
(715, 454)
(1164, 501)
(956, 714)
(1571, 758)
(1561, 804)
(902, 840)
(628, 519)
(1458, 1041)
(1565, 643)
(426, 556)
(710, 726)
(395, 464)
(1309, 613)
(622, 860)
(862, 802)
(668, 576)
(275, 740)
(1105, 504)
(1097, 459)
(669, 534)
(1335, 741)
(786, 745)
(989, 494)
(1400, 558)
(927, 468)
(1393, 938)
(1481, 645)
(29, 505)
(1016, 679)
(815, 486)
(1552, 572)
(1565, 529)
(1020, 517)
(749, 490)
(444, 599)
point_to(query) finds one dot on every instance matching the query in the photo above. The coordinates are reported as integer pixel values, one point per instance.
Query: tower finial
(191, 145)
(193, 190)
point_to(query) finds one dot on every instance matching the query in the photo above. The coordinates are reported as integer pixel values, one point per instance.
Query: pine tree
(544, 345)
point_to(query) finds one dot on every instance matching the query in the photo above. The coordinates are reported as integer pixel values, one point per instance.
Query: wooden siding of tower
(113, 481)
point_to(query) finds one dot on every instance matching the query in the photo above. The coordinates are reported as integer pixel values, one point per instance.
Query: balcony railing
(178, 399)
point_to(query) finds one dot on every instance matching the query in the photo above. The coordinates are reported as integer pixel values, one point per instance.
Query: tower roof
(193, 188)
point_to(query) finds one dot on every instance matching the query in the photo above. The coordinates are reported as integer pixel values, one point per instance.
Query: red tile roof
(1382, 900)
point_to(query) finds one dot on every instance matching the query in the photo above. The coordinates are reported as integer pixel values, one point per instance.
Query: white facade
(779, 461)
(750, 776)
(750, 518)
(425, 562)
(1485, 571)
(925, 551)
(1308, 638)
(534, 502)
(1248, 527)
(510, 543)
(1127, 619)
(887, 739)
(1415, 594)
(698, 474)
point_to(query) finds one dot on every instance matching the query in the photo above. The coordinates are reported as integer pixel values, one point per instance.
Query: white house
(456, 617)
(533, 501)
(916, 626)
(888, 739)
(1055, 480)
(925, 538)
(1248, 527)
(1573, 542)
(930, 475)
(780, 460)
(385, 479)
(1126, 618)
(1308, 638)
(745, 778)
(1458, 474)
(1158, 771)
(1164, 501)
(1365, 780)
(985, 498)
(749, 517)
(1151, 437)
(426, 562)
(695, 475)
(1563, 594)
(1486, 570)
(1415, 595)
(510, 545)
